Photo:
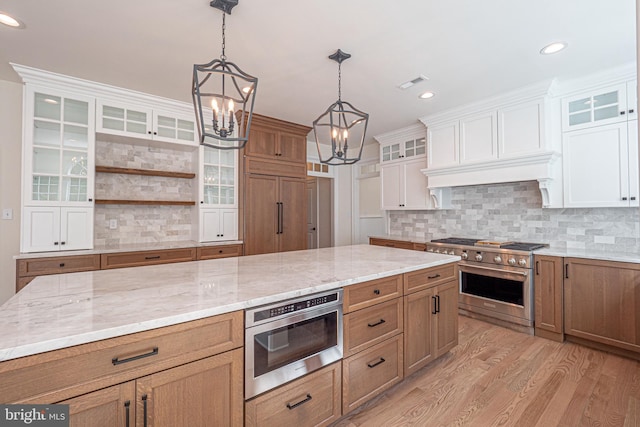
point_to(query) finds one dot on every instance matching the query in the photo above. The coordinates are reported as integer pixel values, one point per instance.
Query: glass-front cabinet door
(609, 105)
(125, 120)
(171, 127)
(219, 176)
(415, 147)
(59, 149)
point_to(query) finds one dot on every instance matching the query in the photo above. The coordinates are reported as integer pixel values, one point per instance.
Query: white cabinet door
(520, 129)
(596, 167)
(209, 225)
(442, 145)
(414, 187)
(126, 120)
(229, 224)
(391, 177)
(595, 108)
(40, 229)
(175, 128)
(478, 138)
(632, 137)
(76, 228)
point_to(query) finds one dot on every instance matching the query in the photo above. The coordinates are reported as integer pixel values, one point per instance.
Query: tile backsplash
(142, 223)
(512, 211)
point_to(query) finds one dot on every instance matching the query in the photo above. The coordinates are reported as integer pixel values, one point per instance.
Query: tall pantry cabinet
(275, 186)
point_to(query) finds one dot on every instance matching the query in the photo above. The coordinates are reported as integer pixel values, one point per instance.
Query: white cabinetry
(218, 177)
(58, 170)
(478, 137)
(121, 118)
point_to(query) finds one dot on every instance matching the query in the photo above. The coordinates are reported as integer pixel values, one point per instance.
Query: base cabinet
(548, 301)
(313, 400)
(109, 407)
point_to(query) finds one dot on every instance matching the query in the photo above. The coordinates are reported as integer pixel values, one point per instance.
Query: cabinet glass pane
(136, 122)
(46, 133)
(76, 111)
(47, 106)
(112, 124)
(211, 195)
(74, 189)
(605, 113)
(211, 155)
(580, 105)
(186, 125)
(605, 99)
(421, 146)
(74, 163)
(186, 136)
(45, 188)
(140, 128)
(167, 122)
(579, 118)
(226, 195)
(395, 155)
(211, 175)
(46, 161)
(113, 112)
(166, 132)
(227, 157)
(386, 154)
(226, 176)
(75, 137)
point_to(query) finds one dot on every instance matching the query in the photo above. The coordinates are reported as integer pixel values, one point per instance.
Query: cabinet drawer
(134, 259)
(372, 325)
(314, 400)
(370, 372)
(56, 265)
(423, 279)
(212, 252)
(275, 167)
(371, 293)
(61, 374)
(391, 243)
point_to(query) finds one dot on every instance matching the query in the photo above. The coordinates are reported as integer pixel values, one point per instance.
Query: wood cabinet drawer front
(391, 243)
(61, 374)
(313, 400)
(55, 265)
(370, 372)
(372, 325)
(212, 252)
(371, 293)
(275, 167)
(133, 259)
(423, 279)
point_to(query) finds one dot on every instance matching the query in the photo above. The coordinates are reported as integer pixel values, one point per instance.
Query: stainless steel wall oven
(289, 339)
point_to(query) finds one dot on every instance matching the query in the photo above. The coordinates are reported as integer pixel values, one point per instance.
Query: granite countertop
(128, 247)
(63, 310)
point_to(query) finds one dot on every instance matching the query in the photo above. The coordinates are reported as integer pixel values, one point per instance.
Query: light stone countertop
(63, 310)
(129, 247)
(632, 257)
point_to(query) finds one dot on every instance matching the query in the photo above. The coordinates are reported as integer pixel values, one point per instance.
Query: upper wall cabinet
(612, 104)
(410, 147)
(145, 122)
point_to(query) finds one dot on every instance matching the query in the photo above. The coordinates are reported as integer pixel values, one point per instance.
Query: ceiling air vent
(407, 85)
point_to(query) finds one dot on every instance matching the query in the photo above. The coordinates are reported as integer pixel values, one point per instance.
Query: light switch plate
(7, 213)
(113, 224)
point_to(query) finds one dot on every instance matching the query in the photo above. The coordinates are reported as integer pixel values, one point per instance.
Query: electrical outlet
(7, 213)
(113, 224)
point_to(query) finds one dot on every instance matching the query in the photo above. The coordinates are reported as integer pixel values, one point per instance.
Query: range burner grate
(456, 241)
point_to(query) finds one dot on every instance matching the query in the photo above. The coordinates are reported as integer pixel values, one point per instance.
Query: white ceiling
(469, 49)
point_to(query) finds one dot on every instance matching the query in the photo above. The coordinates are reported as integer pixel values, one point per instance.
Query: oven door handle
(520, 276)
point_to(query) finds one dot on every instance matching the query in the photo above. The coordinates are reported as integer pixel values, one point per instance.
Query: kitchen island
(61, 327)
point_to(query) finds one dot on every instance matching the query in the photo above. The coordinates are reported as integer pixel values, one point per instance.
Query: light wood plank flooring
(498, 377)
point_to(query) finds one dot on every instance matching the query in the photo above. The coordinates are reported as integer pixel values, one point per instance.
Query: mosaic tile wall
(143, 224)
(512, 212)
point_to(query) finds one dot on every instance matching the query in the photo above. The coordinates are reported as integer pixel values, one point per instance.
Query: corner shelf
(145, 202)
(146, 172)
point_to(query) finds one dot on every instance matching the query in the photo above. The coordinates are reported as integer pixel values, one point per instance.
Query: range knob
(497, 259)
(512, 261)
(437, 251)
(430, 250)
(464, 255)
(452, 252)
(478, 257)
(522, 262)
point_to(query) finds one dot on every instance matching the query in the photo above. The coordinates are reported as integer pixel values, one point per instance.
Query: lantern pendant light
(223, 96)
(340, 130)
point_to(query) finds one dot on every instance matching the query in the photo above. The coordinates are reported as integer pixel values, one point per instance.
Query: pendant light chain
(339, 81)
(224, 41)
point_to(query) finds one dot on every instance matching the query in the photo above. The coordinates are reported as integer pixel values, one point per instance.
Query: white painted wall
(10, 166)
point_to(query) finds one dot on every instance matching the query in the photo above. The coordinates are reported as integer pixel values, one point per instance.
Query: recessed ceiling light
(553, 48)
(426, 95)
(10, 21)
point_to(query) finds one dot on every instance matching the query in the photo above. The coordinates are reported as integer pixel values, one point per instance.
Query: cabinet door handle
(118, 361)
(55, 243)
(631, 111)
(62, 264)
(91, 200)
(374, 364)
(220, 251)
(537, 268)
(127, 408)
(373, 325)
(144, 407)
(433, 277)
(295, 405)
(622, 113)
(624, 198)
(281, 217)
(63, 243)
(435, 310)
(152, 257)
(376, 291)
(566, 271)
(632, 198)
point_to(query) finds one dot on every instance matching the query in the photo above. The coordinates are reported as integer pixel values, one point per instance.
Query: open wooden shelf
(147, 172)
(145, 202)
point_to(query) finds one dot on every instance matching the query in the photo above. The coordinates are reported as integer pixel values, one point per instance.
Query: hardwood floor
(498, 377)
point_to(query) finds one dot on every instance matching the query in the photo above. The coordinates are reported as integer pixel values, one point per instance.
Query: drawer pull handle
(295, 405)
(117, 361)
(373, 365)
(220, 251)
(152, 257)
(144, 403)
(127, 407)
(433, 277)
(373, 325)
(62, 264)
(376, 291)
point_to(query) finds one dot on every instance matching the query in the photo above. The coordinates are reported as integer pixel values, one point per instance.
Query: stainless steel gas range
(496, 278)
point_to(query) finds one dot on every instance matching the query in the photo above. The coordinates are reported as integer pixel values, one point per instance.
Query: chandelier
(223, 96)
(340, 130)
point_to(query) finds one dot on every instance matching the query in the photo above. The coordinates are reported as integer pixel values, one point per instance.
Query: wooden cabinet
(134, 259)
(400, 244)
(222, 251)
(29, 268)
(372, 325)
(430, 315)
(548, 300)
(113, 406)
(313, 400)
(368, 294)
(602, 302)
(275, 214)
